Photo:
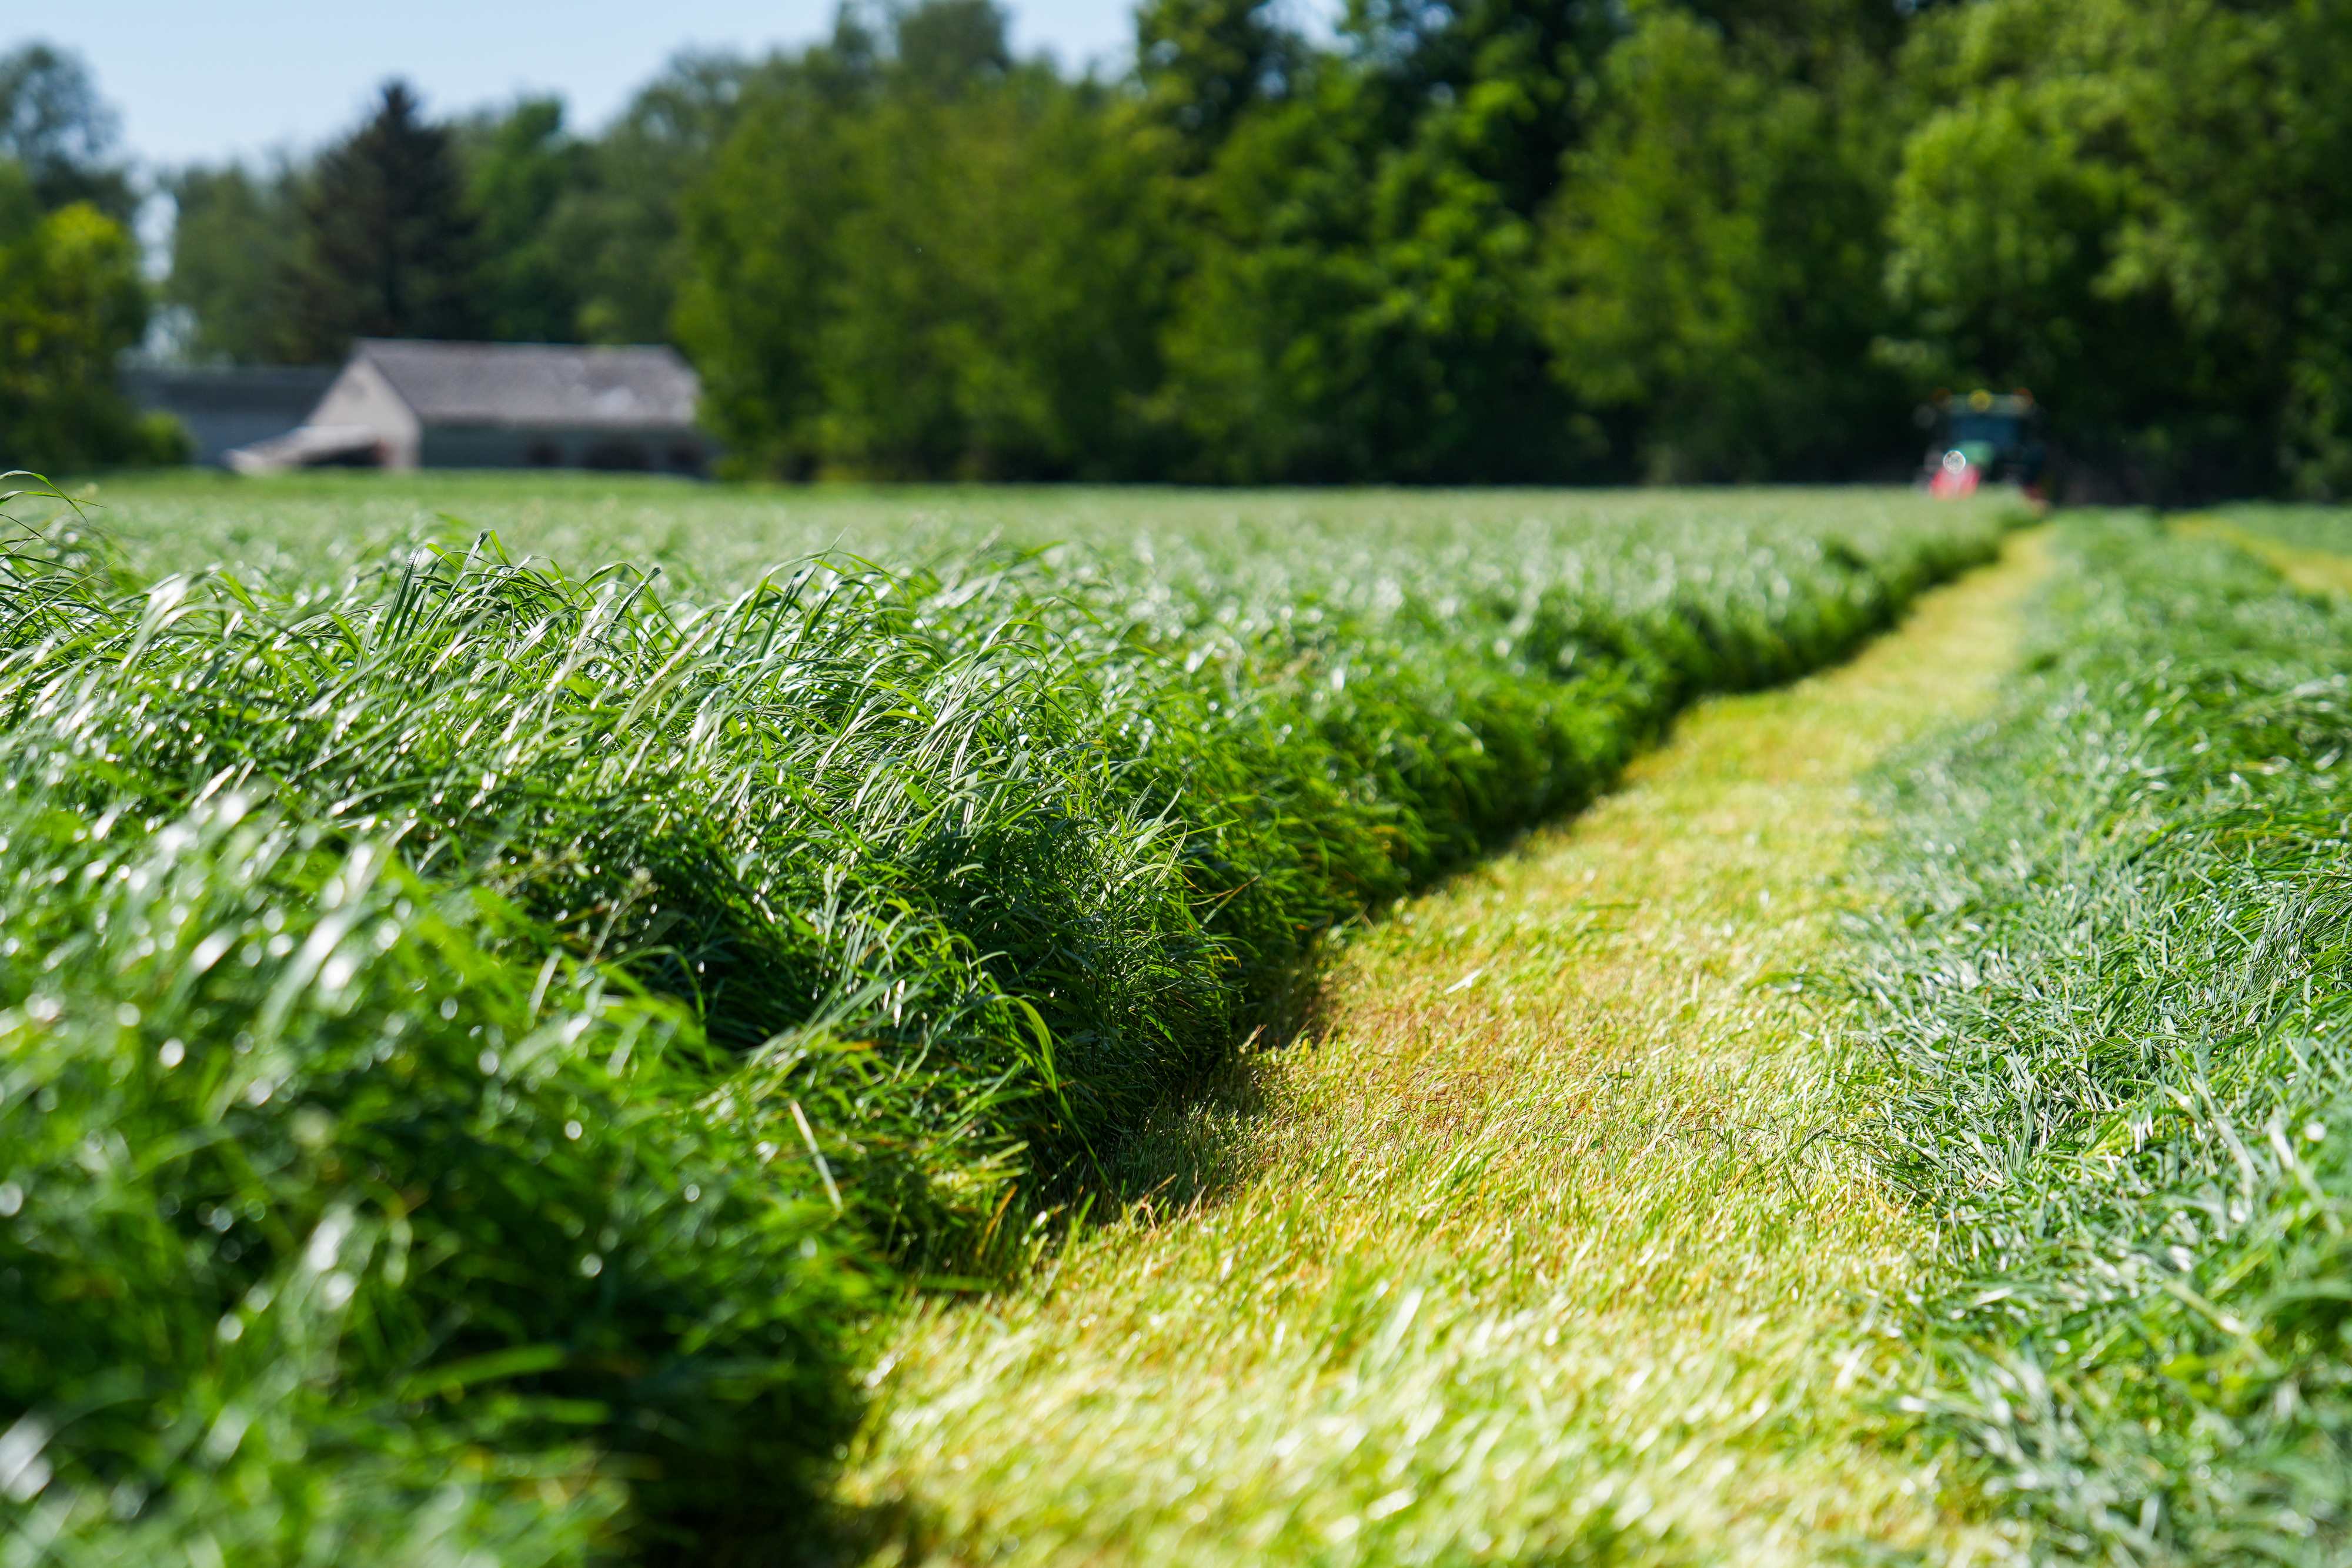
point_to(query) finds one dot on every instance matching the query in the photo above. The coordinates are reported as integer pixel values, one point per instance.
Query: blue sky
(199, 80)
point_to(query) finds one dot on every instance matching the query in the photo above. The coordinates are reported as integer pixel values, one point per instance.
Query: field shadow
(1201, 1140)
(1201, 1143)
(1197, 1145)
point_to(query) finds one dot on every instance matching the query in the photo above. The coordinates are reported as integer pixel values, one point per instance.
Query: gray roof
(291, 390)
(537, 383)
(226, 407)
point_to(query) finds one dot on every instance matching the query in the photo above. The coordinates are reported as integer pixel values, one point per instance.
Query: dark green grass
(477, 1042)
(2115, 1009)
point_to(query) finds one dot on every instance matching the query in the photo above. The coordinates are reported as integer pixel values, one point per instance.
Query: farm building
(409, 404)
(232, 406)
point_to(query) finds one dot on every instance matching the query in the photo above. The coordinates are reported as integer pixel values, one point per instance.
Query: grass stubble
(2303, 546)
(1548, 1243)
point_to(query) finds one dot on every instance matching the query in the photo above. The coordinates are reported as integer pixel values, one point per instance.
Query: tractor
(1984, 438)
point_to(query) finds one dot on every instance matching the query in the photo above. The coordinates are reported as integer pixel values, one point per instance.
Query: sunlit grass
(1548, 1244)
(2109, 992)
(474, 1032)
(2306, 546)
(715, 540)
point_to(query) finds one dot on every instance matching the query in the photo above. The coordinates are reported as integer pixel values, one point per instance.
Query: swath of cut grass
(1550, 1245)
(2111, 1001)
(550, 1011)
(2305, 545)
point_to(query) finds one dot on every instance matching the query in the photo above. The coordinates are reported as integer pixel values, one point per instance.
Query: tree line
(1449, 241)
(72, 296)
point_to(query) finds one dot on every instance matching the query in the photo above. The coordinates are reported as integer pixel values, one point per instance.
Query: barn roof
(537, 383)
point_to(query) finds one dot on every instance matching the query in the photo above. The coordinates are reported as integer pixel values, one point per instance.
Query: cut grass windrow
(1550, 1245)
(474, 1041)
(2112, 1000)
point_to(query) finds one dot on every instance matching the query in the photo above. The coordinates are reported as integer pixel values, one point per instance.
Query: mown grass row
(2114, 1002)
(475, 1043)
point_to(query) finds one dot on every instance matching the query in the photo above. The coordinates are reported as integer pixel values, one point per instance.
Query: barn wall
(361, 397)
(233, 407)
(502, 446)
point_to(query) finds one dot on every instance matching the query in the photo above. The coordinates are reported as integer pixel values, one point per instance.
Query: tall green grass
(476, 1042)
(2114, 1002)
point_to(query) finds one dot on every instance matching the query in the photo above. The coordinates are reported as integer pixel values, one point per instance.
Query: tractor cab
(1983, 438)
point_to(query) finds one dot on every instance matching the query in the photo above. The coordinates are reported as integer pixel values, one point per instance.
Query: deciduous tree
(72, 302)
(67, 138)
(518, 166)
(233, 255)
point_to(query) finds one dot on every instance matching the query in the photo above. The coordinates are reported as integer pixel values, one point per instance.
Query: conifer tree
(387, 245)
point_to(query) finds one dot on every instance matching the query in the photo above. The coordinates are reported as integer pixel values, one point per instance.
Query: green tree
(916, 257)
(54, 125)
(71, 303)
(1715, 251)
(519, 166)
(1498, 84)
(1476, 240)
(233, 255)
(997, 310)
(1363, 303)
(619, 227)
(948, 46)
(20, 204)
(1205, 64)
(762, 226)
(2139, 210)
(385, 245)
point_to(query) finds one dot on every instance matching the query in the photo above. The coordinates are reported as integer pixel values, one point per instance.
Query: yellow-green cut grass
(2312, 571)
(1543, 1246)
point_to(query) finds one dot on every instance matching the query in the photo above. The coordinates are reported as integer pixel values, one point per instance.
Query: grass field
(719, 538)
(2110, 994)
(1550, 1245)
(483, 1041)
(1087, 1026)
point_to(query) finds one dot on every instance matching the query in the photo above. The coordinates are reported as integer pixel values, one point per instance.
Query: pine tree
(387, 245)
